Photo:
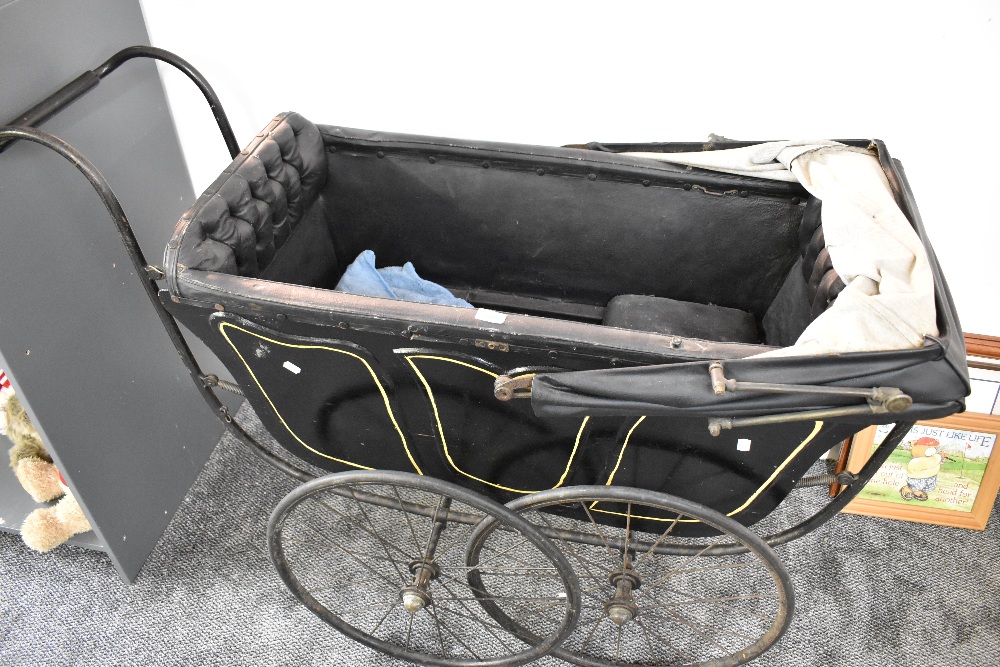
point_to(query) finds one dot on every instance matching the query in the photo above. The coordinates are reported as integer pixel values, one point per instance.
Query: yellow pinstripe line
(444, 441)
(385, 397)
(621, 453)
(749, 501)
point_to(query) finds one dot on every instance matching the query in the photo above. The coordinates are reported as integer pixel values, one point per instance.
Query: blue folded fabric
(394, 282)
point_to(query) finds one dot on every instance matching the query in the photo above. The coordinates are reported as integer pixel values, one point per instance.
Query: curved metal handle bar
(126, 54)
(81, 85)
(114, 208)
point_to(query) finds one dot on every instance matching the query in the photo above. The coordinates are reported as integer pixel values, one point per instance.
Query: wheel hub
(416, 595)
(621, 608)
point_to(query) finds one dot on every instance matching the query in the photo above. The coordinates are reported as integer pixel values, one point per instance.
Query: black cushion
(681, 318)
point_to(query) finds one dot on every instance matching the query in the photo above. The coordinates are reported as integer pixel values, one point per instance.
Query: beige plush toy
(46, 527)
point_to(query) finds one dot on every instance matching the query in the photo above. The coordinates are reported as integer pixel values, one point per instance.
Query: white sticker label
(743, 445)
(292, 367)
(493, 316)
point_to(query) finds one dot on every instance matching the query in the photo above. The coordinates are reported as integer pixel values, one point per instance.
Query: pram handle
(87, 81)
(148, 279)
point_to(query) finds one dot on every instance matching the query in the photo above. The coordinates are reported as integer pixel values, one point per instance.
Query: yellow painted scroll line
(749, 501)
(444, 442)
(385, 397)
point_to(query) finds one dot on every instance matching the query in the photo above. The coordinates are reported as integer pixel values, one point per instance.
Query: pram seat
(681, 318)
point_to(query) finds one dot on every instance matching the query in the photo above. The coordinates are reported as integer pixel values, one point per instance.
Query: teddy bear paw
(48, 527)
(39, 478)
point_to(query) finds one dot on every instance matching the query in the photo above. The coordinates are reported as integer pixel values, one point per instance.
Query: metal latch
(505, 387)
(879, 400)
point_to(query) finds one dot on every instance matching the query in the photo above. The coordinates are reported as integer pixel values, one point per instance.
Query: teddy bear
(922, 469)
(46, 527)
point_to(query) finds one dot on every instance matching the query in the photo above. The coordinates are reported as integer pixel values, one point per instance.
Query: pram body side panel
(363, 394)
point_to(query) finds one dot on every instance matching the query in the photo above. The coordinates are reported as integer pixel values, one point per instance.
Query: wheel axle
(622, 608)
(416, 595)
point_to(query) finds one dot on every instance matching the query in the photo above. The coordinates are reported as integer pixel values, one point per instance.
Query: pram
(664, 339)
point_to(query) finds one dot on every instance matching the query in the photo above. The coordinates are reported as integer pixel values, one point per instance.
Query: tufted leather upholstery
(247, 214)
(822, 279)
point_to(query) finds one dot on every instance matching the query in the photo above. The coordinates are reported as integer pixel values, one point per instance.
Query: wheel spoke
(628, 532)
(441, 553)
(357, 553)
(457, 638)
(665, 641)
(590, 635)
(440, 607)
(694, 625)
(541, 610)
(688, 560)
(693, 599)
(600, 534)
(360, 562)
(437, 624)
(723, 599)
(385, 545)
(506, 552)
(409, 521)
(706, 568)
(649, 642)
(509, 597)
(490, 569)
(658, 541)
(347, 518)
(707, 626)
(382, 620)
(570, 551)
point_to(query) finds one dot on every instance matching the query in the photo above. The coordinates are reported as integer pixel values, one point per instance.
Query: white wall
(921, 77)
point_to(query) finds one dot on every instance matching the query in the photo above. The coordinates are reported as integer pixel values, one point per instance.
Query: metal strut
(879, 400)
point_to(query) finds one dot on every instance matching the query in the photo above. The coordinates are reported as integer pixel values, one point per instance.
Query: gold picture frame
(962, 453)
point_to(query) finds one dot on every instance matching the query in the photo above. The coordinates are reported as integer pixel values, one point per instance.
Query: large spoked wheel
(381, 556)
(649, 596)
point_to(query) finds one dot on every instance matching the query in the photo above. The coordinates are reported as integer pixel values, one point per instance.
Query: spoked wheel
(649, 596)
(381, 556)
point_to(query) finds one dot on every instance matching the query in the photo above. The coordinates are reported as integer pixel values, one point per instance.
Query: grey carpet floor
(869, 592)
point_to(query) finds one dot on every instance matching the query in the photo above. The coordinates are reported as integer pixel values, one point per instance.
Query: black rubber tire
(575, 542)
(374, 494)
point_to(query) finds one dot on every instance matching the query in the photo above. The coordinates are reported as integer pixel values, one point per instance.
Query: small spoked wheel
(649, 595)
(381, 556)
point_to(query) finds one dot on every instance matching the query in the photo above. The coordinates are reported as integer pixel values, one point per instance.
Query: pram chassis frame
(398, 324)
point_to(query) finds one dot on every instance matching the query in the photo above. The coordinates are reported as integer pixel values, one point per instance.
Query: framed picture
(944, 472)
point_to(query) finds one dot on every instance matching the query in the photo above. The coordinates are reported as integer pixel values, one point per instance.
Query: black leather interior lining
(681, 318)
(519, 221)
(533, 223)
(248, 213)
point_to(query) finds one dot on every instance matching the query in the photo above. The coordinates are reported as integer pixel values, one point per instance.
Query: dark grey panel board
(78, 336)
